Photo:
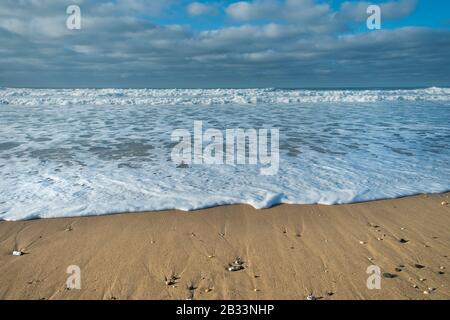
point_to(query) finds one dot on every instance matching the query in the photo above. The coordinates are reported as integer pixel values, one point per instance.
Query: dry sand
(289, 251)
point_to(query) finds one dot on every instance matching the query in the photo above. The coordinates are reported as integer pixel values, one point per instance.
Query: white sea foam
(154, 97)
(86, 152)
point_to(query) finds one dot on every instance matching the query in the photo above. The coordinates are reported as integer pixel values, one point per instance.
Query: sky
(230, 44)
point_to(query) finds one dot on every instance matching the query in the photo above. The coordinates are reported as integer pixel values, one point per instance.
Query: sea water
(73, 152)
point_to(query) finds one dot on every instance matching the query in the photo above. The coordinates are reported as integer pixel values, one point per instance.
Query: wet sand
(287, 252)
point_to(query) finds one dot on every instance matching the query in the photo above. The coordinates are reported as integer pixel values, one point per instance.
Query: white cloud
(199, 9)
(251, 10)
(356, 11)
(312, 12)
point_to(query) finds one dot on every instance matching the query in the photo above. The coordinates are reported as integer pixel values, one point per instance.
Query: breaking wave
(64, 97)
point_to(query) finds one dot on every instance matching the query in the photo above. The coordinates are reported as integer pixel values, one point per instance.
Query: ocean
(77, 152)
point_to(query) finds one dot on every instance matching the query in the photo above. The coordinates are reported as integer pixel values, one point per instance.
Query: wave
(156, 97)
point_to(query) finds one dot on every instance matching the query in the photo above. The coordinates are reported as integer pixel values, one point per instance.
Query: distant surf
(123, 97)
(73, 152)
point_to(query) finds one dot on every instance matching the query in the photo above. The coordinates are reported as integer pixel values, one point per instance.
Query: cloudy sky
(259, 43)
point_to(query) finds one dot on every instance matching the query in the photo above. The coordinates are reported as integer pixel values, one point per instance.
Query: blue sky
(431, 13)
(258, 43)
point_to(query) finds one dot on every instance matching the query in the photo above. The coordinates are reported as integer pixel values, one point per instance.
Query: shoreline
(288, 251)
(447, 192)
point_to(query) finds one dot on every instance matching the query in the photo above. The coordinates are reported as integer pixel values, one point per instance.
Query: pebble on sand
(362, 242)
(444, 203)
(17, 253)
(237, 265)
(234, 268)
(430, 290)
(311, 297)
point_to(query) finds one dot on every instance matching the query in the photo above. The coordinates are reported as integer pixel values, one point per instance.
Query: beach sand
(288, 252)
